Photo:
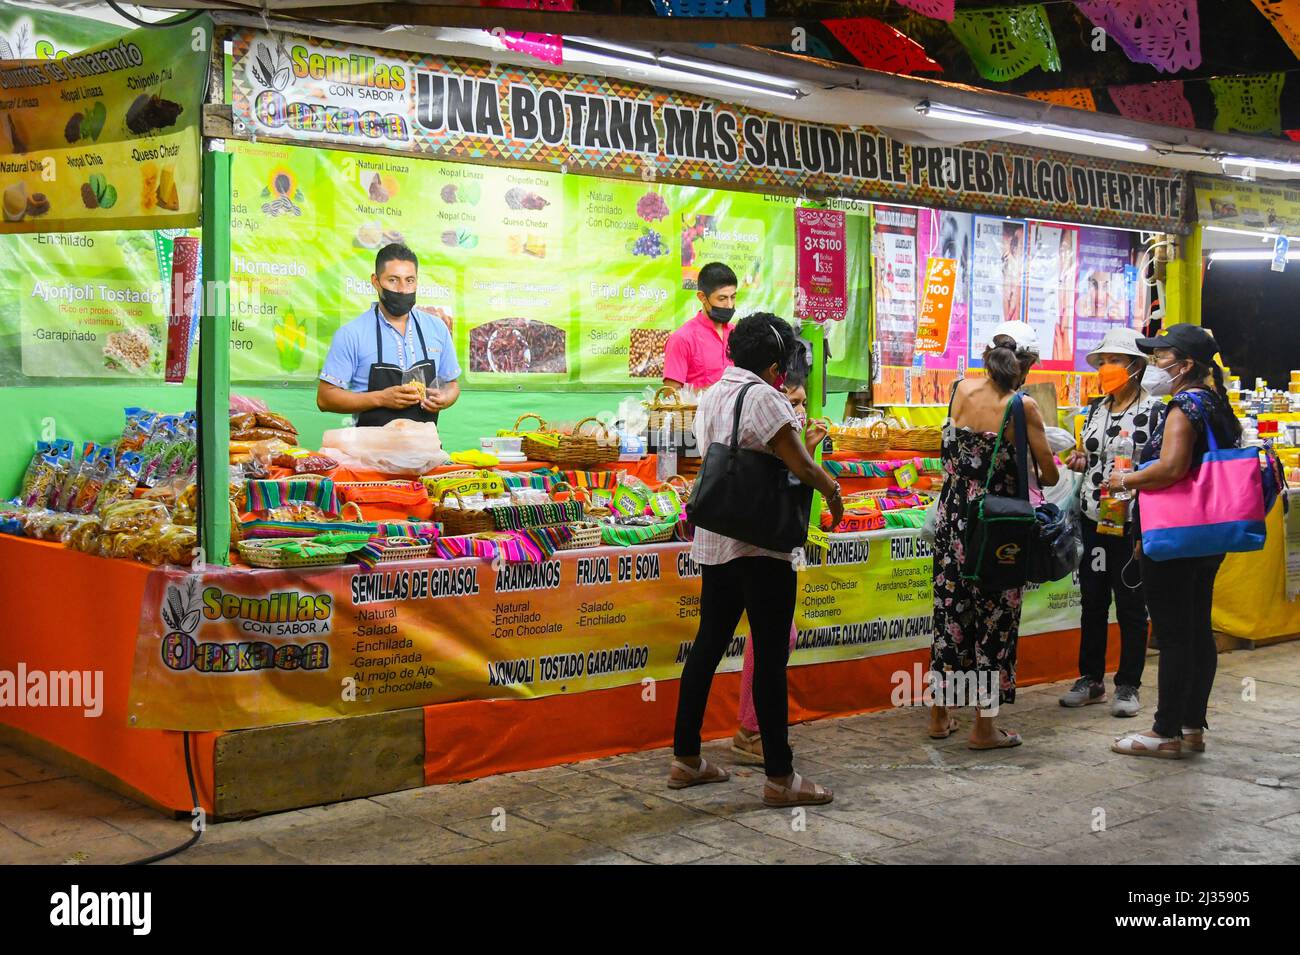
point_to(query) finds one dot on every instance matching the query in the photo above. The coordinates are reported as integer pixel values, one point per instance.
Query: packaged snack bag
(42, 447)
(139, 422)
(43, 480)
(95, 475)
(122, 483)
(78, 474)
(155, 449)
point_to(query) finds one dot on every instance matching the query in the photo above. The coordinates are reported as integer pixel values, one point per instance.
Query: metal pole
(214, 357)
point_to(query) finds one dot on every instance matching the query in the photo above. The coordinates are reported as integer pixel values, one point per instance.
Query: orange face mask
(1113, 378)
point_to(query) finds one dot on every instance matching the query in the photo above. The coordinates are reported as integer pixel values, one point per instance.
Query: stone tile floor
(900, 798)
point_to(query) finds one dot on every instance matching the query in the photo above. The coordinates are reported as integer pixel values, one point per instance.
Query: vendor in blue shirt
(369, 355)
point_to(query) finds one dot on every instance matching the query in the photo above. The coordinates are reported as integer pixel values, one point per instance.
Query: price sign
(936, 306)
(820, 286)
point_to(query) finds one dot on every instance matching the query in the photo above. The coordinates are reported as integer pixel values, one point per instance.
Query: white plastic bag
(399, 447)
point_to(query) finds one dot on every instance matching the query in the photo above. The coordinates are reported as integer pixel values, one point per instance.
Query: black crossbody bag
(749, 495)
(1000, 530)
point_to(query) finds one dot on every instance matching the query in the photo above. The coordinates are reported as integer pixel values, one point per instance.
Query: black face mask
(721, 315)
(396, 304)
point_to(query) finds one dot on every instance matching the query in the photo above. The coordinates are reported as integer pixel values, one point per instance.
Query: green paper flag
(1248, 104)
(1007, 42)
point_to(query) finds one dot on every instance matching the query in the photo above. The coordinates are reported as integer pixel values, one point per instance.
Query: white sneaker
(1125, 702)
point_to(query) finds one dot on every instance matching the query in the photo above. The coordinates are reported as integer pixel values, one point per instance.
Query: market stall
(269, 594)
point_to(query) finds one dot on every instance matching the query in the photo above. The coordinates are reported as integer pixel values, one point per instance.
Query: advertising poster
(894, 250)
(106, 138)
(1049, 291)
(819, 241)
(949, 235)
(997, 279)
(232, 649)
(1103, 289)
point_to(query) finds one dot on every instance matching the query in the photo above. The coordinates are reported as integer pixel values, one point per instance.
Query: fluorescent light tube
(1276, 164)
(674, 68)
(1015, 126)
(1238, 255)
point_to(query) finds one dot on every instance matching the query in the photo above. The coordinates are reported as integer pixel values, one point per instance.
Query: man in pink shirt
(696, 354)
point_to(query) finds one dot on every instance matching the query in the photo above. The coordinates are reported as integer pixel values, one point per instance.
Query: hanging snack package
(94, 475)
(139, 422)
(155, 449)
(121, 484)
(33, 468)
(184, 451)
(240, 422)
(42, 479)
(77, 476)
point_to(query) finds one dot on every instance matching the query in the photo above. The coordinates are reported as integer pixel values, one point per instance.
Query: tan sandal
(1194, 739)
(1144, 744)
(952, 728)
(778, 796)
(1005, 741)
(681, 775)
(748, 749)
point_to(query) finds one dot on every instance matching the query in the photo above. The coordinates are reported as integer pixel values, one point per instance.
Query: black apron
(384, 375)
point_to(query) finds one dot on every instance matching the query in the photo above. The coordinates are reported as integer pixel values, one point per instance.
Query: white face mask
(1158, 382)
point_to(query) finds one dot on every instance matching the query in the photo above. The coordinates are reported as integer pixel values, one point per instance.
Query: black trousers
(1180, 594)
(1101, 579)
(764, 588)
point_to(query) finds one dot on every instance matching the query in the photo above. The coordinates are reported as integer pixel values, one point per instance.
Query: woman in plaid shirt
(737, 577)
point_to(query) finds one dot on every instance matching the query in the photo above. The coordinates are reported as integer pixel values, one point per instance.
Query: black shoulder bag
(749, 495)
(1000, 530)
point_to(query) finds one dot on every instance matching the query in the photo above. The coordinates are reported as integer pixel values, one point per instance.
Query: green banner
(107, 138)
(546, 281)
(45, 35)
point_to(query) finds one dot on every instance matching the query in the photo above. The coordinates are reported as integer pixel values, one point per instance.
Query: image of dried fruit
(650, 243)
(148, 112)
(520, 198)
(376, 189)
(72, 131)
(88, 197)
(651, 207)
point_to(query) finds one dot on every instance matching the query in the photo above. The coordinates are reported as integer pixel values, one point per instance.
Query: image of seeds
(447, 193)
(148, 112)
(88, 197)
(645, 358)
(72, 131)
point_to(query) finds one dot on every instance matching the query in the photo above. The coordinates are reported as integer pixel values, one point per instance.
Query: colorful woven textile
(264, 495)
(410, 493)
(519, 516)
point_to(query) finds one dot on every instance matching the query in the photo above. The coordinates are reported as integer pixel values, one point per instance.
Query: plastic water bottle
(1121, 462)
(666, 460)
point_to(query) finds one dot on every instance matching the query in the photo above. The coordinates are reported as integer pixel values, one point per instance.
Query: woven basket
(577, 450)
(682, 485)
(915, 439)
(403, 548)
(457, 521)
(533, 448)
(585, 534)
(258, 553)
(668, 399)
(875, 441)
(592, 509)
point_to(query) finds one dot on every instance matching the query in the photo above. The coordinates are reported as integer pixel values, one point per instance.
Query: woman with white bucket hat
(1108, 570)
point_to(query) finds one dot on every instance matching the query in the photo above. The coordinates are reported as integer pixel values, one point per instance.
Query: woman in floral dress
(975, 631)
